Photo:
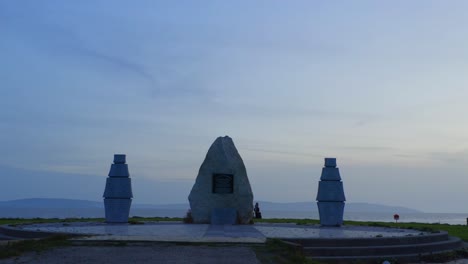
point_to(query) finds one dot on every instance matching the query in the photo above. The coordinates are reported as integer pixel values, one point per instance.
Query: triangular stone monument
(221, 193)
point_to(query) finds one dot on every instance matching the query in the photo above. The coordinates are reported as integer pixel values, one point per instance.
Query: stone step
(4, 237)
(402, 258)
(372, 250)
(374, 241)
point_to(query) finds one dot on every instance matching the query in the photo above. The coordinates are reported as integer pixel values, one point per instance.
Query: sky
(380, 85)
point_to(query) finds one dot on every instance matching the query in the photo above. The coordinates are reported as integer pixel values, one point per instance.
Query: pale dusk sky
(380, 85)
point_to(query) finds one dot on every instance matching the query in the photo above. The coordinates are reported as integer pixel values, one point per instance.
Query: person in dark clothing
(257, 212)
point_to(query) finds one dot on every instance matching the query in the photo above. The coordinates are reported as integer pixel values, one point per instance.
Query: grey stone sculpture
(330, 195)
(221, 193)
(118, 192)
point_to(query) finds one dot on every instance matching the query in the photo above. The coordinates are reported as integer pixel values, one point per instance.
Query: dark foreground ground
(163, 253)
(139, 254)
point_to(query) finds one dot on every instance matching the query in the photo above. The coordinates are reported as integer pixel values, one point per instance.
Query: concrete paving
(179, 232)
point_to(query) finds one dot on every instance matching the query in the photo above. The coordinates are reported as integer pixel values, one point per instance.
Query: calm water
(368, 216)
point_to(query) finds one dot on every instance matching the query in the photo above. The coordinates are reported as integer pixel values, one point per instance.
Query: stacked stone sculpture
(330, 196)
(118, 192)
(222, 193)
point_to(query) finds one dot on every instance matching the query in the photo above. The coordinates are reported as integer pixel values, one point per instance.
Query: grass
(16, 248)
(19, 221)
(132, 220)
(278, 252)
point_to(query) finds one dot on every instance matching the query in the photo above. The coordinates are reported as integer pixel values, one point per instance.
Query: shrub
(188, 219)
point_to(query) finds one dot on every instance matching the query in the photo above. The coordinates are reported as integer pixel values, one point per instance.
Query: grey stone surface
(177, 231)
(224, 216)
(118, 188)
(222, 159)
(117, 210)
(330, 191)
(330, 174)
(331, 213)
(120, 158)
(330, 162)
(330, 195)
(119, 170)
(118, 192)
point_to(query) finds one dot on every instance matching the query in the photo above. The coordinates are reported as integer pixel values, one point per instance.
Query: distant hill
(265, 206)
(378, 208)
(350, 207)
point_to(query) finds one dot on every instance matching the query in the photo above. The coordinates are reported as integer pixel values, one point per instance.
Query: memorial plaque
(223, 183)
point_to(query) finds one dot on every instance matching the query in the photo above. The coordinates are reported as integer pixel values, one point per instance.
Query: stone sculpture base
(117, 210)
(224, 216)
(331, 213)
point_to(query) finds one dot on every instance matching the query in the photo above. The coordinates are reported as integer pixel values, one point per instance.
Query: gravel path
(140, 254)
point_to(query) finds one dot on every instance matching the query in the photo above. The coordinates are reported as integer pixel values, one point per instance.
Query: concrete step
(372, 250)
(4, 237)
(375, 241)
(400, 258)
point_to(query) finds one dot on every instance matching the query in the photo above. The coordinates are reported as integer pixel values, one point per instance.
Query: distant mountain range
(43, 203)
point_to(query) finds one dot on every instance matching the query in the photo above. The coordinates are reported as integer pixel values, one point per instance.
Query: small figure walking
(258, 214)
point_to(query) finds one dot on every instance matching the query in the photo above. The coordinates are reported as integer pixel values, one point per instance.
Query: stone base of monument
(346, 244)
(404, 249)
(331, 213)
(224, 216)
(117, 210)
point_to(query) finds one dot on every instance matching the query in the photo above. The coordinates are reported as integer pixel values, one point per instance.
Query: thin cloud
(61, 42)
(282, 152)
(459, 157)
(373, 148)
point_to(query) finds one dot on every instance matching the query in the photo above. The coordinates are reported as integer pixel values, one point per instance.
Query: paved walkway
(179, 232)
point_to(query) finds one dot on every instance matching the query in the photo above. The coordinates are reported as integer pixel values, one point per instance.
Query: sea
(441, 218)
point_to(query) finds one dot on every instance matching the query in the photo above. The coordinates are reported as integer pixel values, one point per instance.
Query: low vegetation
(19, 221)
(16, 248)
(132, 220)
(278, 252)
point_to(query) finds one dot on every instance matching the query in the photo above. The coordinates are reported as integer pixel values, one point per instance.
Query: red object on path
(396, 217)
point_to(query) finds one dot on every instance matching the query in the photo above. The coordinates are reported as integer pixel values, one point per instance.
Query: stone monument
(221, 193)
(118, 192)
(330, 196)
